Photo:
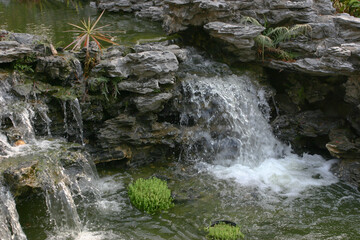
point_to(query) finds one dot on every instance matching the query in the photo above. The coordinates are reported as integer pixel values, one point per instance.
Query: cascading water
(77, 116)
(9, 219)
(230, 137)
(60, 187)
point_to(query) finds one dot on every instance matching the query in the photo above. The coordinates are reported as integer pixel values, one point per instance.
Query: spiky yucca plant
(271, 37)
(88, 32)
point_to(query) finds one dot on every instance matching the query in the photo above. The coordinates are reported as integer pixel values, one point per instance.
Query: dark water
(51, 18)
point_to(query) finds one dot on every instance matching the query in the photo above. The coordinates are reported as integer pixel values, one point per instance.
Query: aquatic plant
(349, 6)
(150, 195)
(271, 37)
(224, 231)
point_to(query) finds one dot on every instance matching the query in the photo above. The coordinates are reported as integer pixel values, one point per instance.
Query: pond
(50, 18)
(233, 168)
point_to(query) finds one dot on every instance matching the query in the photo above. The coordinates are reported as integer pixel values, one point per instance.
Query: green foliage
(23, 68)
(349, 6)
(107, 86)
(271, 37)
(150, 195)
(25, 64)
(223, 231)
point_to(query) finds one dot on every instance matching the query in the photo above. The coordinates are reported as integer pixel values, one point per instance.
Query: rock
(126, 137)
(181, 54)
(60, 67)
(342, 147)
(349, 27)
(144, 64)
(352, 90)
(22, 178)
(345, 147)
(12, 50)
(239, 35)
(142, 8)
(349, 171)
(307, 124)
(153, 103)
(150, 63)
(141, 87)
(153, 13)
(25, 38)
(325, 66)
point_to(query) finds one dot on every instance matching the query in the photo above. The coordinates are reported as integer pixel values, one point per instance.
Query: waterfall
(229, 136)
(76, 110)
(10, 228)
(77, 116)
(64, 176)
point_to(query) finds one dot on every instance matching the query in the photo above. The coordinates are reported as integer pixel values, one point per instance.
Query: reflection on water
(51, 18)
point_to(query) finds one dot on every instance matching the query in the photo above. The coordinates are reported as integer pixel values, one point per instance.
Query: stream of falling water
(233, 140)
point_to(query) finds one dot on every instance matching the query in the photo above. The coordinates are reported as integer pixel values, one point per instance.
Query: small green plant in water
(271, 37)
(223, 231)
(150, 195)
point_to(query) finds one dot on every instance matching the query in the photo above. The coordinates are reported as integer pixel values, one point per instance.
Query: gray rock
(25, 38)
(12, 50)
(309, 124)
(154, 13)
(240, 36)
(152, 103)
(151, 63)
(349, 27)
(125, 137)
(352, 90)
(322, 67)
(145, 64)
(60, 67)
(141, 87)
(324, 7)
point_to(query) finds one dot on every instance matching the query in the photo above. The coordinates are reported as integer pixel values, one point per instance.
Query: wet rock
(22, 178)
(12, 50)
(304, 125)
(349, 171)
(152, 103)
(126, 137)
(343, 145)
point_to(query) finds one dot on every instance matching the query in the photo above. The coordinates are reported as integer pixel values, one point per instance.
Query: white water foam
(232, 139)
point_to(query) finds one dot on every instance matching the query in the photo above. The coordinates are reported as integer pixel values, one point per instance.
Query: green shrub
(349, 6)
(223, 231)
(150, 195)
(270, 38)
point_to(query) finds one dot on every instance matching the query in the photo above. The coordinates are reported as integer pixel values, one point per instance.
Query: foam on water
(226, 122)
